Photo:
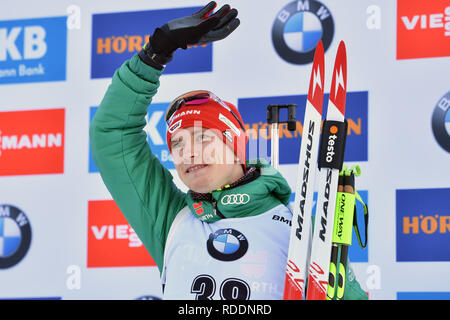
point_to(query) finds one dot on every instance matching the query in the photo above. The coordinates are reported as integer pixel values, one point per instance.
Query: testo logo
(423, 29)
(111, 240)
(32, 142)
(33, 50)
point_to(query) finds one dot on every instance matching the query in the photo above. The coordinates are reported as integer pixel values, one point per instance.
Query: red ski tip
(315, 93)
(292, 290)
(339, 81)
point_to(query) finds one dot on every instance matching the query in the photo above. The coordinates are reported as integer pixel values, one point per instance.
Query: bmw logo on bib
(227, 245)
(298, 28)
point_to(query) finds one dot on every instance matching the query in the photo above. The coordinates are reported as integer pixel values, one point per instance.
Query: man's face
(203, 161)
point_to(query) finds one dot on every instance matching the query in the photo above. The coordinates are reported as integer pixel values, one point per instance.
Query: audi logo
(235, 199)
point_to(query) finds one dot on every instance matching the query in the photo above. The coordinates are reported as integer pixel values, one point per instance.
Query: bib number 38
(204, 288)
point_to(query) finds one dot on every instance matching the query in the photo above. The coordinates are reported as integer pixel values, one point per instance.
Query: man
(227, 238)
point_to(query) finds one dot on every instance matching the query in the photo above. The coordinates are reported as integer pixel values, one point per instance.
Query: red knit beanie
(210, 114)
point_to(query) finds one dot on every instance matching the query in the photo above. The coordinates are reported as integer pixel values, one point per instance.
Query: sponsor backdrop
(63, 237)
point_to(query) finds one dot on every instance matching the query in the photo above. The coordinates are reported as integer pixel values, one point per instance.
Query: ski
(300, 237)
(331, 154)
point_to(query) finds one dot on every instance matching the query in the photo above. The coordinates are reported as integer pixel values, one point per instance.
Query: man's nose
(190, 150)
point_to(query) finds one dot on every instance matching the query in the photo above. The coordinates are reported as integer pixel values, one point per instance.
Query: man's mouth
(195, 168)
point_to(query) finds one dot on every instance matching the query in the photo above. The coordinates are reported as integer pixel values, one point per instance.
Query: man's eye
(204, 137)
(176, 144)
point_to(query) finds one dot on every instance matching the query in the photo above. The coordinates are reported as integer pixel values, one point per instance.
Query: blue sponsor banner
(355, 252)
(156, 135)
(423, 224)
(33, 298)
(92, 165)
(254, 113)
(118, 36)
(33, 50)
(423, 295)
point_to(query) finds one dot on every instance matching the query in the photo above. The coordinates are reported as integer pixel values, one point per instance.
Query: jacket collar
(260, 190)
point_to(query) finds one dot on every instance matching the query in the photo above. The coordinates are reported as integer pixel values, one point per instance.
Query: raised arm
(141, 187)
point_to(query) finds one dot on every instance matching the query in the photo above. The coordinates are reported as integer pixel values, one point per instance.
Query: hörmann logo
(33, 50)
(120, 44)
(423, 224)
(116, 37)
(423, 29)
(426, 224)
(299, 229)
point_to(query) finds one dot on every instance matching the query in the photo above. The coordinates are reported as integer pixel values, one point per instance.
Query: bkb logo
(259, 132)
(156, 134)
(15, 235)
(440, 122)
(118, 36)
(298, 28)
(33, 50)
(423, 29)
(423, 225)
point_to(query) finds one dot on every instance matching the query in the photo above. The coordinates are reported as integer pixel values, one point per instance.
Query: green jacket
(140, 185)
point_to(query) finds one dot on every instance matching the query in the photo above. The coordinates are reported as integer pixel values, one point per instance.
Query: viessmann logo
(423, 224)
(111, 240)
(33, 50)
(32, 142)
(118, 36)
(423, 29)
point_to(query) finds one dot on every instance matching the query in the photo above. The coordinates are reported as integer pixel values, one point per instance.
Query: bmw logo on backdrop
(440, 122)
(15, 235)
(298, 28)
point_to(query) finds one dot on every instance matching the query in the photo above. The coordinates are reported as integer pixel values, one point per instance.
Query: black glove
(199, 28)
